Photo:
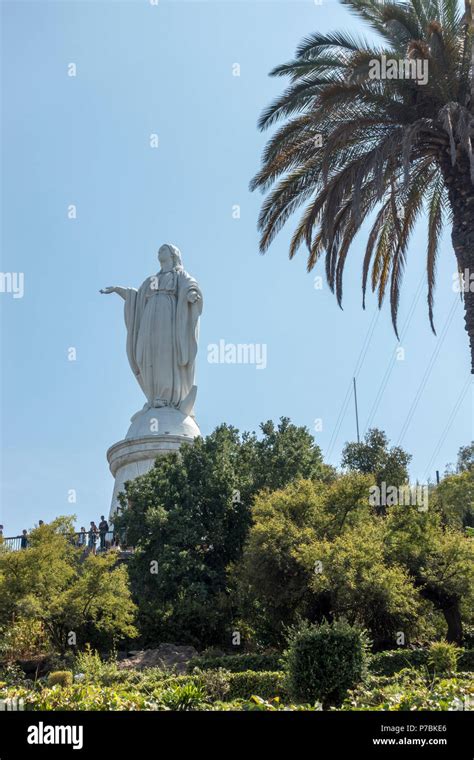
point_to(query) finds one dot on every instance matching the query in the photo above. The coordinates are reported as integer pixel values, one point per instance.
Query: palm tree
(354, 146)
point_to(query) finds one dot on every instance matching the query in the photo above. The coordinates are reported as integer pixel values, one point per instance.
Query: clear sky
(167, 69)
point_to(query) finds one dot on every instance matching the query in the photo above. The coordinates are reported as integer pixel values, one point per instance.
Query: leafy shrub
(443, 657)
(411, 690)
(148, 681)
(216, 683)
(96, 670)
(238, 663)
(23, 639)
(266, 685)
(188, 696)
(60, 677)
(325, 661)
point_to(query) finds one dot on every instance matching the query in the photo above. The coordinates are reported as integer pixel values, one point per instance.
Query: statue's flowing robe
(162, 334)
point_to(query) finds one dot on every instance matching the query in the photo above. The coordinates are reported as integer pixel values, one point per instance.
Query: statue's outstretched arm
(122, 292)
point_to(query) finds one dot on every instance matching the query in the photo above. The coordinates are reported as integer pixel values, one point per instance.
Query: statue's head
(169, 254)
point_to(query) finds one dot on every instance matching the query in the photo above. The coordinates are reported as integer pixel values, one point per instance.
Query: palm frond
(352, 148)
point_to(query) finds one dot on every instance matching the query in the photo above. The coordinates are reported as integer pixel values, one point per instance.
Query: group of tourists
(97, 534)
(88, 539)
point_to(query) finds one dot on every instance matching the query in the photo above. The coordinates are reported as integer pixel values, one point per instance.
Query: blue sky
(85, 140)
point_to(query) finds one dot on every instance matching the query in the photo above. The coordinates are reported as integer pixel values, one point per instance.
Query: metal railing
(13, 543)
(90, 541)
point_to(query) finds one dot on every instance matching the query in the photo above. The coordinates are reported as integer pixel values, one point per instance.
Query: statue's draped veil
(176, 254)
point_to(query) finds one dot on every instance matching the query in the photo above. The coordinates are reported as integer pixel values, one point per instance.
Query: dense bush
(266, 685)
(412, 690)
(325, 661)
(237, 663)
(443, 657)
(60, 678)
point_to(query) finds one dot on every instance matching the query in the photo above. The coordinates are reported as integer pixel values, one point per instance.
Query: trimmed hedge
(238, 663)
(392, 661)
(264, 684)
(324, 661)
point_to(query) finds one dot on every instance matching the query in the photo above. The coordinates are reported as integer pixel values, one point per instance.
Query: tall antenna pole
(356, 409)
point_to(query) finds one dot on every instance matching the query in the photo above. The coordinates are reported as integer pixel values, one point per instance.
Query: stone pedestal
(152, 432)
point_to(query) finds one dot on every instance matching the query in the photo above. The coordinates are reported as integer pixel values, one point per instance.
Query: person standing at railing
(82, 537)
(24, 539)
(93, 533)
(103, 530)
(1, 534)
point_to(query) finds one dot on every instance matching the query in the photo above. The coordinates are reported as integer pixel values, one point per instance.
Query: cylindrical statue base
(153, 432)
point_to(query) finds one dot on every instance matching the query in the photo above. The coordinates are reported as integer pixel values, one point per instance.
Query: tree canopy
(189, 518)
(76, 598)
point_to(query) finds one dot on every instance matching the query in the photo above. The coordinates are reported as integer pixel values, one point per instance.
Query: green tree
(466, 458)
(373, 456)
(274, 578)
(271, 583)
(285, 453)
(362, 586)
(53, 583)
(439, 560)
(357, 146)
(189, 517)
(454, 498)
(316, 551)
(187, 520)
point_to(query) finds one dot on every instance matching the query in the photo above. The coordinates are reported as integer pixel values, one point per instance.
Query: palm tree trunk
(461, 197)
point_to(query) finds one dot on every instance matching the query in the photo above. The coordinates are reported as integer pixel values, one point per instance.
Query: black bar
(228, 734)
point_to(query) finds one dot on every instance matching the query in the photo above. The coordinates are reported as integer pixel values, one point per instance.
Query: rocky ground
(167, 656)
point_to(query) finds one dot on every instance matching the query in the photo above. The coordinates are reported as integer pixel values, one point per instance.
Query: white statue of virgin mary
(162, 320)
